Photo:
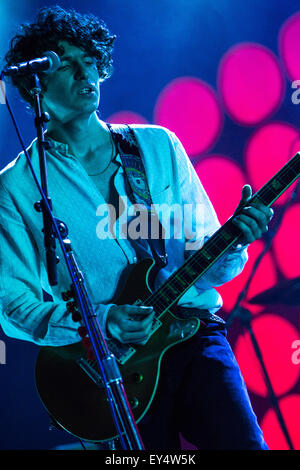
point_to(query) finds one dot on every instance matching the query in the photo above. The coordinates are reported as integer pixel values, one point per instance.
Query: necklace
(110, 160)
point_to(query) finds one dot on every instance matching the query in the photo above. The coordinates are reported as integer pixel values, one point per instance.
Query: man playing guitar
(201, 392)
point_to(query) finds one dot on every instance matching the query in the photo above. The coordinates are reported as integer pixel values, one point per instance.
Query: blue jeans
(202, 395)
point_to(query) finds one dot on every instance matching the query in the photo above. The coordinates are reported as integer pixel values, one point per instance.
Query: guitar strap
(128, 149)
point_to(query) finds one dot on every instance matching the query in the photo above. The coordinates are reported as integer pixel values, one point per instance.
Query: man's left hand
(252, 219)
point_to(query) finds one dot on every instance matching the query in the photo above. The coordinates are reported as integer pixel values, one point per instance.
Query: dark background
(157, 41)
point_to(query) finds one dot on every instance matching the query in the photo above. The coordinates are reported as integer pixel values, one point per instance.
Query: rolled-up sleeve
(23, 279)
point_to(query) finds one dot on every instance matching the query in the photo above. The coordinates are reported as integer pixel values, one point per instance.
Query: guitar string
(154, 298)
(167, 286)
(267, 190)
(215, 242)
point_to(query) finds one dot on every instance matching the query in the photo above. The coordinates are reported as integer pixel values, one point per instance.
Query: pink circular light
(126, 117)
(189, 107)
(223, 180)
(290, 409)
(286, 243)
(267, 151)
(264, 278)
(250, 82)
(289, 45)
(295, 146)
(275, 337)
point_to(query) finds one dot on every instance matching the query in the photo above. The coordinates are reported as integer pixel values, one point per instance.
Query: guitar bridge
(123, 352)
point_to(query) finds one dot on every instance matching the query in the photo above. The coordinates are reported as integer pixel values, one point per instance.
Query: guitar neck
(218, 244)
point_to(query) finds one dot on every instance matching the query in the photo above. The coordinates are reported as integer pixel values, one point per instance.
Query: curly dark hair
(51, 25)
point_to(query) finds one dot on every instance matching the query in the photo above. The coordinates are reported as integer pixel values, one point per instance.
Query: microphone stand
(244, 315)
(49, 233)
(54, 228)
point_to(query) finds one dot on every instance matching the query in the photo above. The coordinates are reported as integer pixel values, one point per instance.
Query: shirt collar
(60, 147)
(54, 144)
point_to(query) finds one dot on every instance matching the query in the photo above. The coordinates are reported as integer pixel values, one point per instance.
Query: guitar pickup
(121, 351)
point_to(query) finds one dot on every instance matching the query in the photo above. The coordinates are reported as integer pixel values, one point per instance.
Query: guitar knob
(134, 403)
(138, 378)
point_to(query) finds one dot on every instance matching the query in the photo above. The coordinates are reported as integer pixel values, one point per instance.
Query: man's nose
(80, 72)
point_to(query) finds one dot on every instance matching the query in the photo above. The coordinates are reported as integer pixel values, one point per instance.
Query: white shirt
(76, 200)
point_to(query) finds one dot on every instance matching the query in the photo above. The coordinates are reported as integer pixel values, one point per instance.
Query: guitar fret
(159, 306)
(172, 288)
(277, 184)
(285, 176)
(163, 294)
(206, 254)
(190, 271)
(227, 236)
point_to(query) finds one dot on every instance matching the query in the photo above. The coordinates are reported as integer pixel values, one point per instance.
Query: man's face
(73, 90)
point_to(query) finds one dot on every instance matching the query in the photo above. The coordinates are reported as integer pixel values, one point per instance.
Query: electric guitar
(69, 383)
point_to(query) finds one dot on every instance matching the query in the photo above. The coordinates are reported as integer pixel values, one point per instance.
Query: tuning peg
(71, 306)
(76, 316)
(82, 331)
(67, 295)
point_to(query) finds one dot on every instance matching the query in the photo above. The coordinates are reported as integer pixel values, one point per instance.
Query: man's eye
(64, 67)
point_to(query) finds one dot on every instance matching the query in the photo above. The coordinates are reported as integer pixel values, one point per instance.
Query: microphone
(49, 63)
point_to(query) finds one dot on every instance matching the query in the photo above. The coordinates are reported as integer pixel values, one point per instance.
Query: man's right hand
(130, 323)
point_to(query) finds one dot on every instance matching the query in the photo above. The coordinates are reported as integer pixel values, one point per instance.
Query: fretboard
(219, 243)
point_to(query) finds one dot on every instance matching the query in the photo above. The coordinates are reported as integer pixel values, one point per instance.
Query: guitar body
(71, 388)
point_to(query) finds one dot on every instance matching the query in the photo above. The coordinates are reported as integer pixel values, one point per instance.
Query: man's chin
(78, 110)
(86, 109)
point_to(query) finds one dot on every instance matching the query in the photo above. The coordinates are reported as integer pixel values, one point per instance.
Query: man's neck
(83, 136)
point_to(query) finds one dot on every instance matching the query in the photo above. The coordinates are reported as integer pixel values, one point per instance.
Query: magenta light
(290, 409)
(250, 83)
(275, 336)
(189, 107)
(126, 117)
(289, 46)
(267, 150)
(265, 278)
(286, 243)
(223, 180)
